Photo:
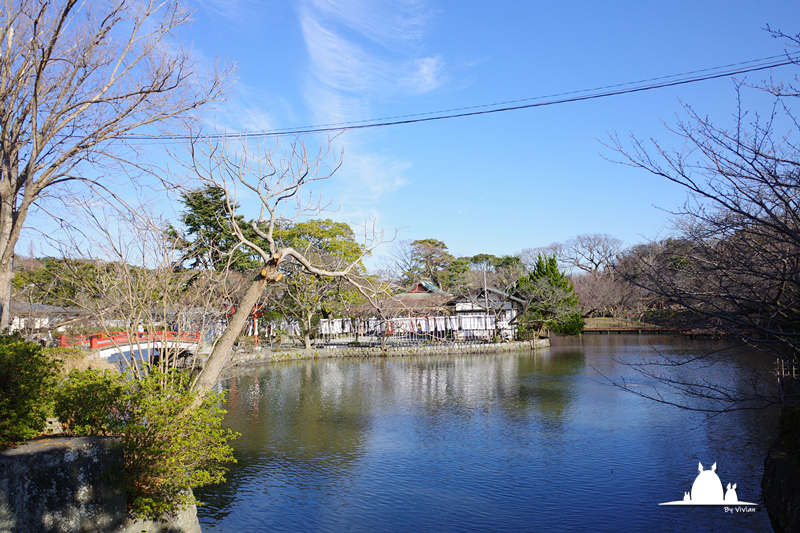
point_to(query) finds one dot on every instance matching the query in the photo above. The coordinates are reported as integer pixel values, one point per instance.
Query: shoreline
(263, 355)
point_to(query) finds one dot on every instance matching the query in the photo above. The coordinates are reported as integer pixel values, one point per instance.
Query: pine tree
(551, 300)
(206, 240)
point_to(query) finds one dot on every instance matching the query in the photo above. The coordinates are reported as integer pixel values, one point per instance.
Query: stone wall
(71, 484)
(781, 489)
(266, 354)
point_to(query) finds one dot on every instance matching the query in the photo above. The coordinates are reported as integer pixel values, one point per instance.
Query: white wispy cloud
(252, 109)
(379, 173)
(427, 74)
(396, 24)
(344, 60)
(360, 52)
(235, 12)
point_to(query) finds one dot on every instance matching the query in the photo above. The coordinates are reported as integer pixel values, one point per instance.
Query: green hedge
(88, 402)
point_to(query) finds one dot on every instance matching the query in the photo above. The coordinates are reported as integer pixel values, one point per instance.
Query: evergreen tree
(207, 240)
(432, 261)
(551, 300)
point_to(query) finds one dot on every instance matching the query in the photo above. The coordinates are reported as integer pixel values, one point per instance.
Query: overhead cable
(512, 105)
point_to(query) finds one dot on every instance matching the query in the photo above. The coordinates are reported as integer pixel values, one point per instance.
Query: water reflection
(504, 442)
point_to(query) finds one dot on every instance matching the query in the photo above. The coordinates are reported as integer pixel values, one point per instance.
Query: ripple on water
(513, 443)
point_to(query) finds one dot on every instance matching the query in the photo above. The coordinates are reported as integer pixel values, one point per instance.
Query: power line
(511, 105)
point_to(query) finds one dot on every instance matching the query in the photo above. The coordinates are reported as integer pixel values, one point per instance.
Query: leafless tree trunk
(275, 179)
(76, 79)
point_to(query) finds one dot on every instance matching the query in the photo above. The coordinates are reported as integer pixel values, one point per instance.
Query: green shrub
(571, 324)
(27, 381)
(170, 446)
(789, 432)
(89, 401)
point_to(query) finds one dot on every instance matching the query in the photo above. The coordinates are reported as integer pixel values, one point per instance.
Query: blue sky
(493, 183)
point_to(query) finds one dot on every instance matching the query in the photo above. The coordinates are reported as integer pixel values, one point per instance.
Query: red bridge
(117, 338)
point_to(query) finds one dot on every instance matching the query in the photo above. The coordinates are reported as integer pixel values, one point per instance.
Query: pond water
(486, 442)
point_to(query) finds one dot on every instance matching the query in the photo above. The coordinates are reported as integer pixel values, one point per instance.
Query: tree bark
(221, 354)
(6, 290)
(8, 239)
(307, 332)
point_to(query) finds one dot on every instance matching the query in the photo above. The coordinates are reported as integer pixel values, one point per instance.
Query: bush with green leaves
(169, 445)
(28, 378)
(571, 324)
(89, 401)
(170, 442)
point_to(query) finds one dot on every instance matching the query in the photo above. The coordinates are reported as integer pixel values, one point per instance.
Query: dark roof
(505, 295)
(494, 295)
(25, 308)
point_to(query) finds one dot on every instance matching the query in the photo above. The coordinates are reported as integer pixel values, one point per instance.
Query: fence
(788, 372)
(405, 331)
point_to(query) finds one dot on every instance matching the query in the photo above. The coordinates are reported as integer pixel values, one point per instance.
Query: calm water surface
(506, 442)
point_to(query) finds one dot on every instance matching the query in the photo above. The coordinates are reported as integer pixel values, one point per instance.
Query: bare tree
(76, 78)
(736, 261)
(739, 261)
(590, 252)
(529, 256)
(402, 264)
(346, 301)
(126, 278)
(275, 179)
(380, 300)
(602, 293)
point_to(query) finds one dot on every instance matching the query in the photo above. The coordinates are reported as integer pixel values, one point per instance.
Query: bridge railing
(107, 340)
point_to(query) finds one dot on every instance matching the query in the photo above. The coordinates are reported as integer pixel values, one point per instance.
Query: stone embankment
(258, 355)
(780, 487)
(68, 484)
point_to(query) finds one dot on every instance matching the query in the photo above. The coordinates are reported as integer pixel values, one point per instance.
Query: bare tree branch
(75, 79)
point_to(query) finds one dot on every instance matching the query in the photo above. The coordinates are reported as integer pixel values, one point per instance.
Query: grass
(77, 359)
(609, 322)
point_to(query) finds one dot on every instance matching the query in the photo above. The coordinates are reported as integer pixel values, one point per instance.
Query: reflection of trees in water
(676, 437)
(308, 420)
(302, 411)
(462, 390)
(304, 419)
(545, 385)
(698, 374)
